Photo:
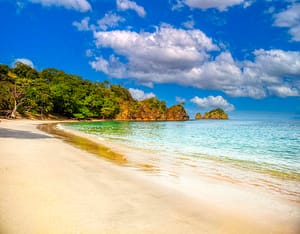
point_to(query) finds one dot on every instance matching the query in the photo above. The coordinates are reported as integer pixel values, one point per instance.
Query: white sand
(48, 186)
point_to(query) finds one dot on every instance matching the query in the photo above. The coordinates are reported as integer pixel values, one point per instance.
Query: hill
(27, 92)
(213, 114)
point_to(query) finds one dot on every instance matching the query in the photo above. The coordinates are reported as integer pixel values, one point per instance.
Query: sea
(254, 152)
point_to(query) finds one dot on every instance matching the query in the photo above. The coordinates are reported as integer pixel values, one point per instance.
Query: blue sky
(241, 55)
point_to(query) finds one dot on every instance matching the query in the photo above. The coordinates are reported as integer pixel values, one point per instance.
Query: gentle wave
(264, 152)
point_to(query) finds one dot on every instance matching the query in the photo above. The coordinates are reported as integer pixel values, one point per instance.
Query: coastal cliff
(151, 109)
(177, 112)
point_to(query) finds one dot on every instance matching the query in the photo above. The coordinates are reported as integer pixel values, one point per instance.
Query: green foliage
(215, 114)
(177, 112)
(52, 91)
(55, 92)
(6, 85)
(121, 93)
(198, 116)
(25, 71)
(155, 104)
(39, 98)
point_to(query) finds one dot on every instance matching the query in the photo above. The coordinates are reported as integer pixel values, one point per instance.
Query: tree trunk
(14, 111)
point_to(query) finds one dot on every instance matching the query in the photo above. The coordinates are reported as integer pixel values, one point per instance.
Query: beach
(49, 186)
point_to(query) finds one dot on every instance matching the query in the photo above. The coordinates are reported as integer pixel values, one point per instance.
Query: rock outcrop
(151, 109)
(177, 112)
(198, 116)
(215, 114)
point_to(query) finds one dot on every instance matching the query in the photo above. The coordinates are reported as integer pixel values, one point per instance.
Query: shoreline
(52, 187)
(148, 163)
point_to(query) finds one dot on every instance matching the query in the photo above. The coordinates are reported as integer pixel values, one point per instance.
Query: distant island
(52, 93)
(213, 114)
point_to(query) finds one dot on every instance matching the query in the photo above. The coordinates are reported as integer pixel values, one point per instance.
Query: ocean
(262, 153)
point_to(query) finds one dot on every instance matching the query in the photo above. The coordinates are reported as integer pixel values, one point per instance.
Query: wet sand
(49, 186)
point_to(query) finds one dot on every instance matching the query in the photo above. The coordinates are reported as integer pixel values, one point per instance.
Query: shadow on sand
(10, 133)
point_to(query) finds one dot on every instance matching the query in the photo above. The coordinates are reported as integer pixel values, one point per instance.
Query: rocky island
(213, 114)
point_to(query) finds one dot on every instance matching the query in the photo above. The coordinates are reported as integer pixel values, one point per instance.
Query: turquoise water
(265, 147)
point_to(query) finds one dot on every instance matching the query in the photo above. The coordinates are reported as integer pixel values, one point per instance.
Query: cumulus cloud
(165, 51)
(78, 5)
(184, 57)
(218, 4)
(283, 91)
(278, 62)
(273, 72)
(290, 18)
(25, 61)
(213, 102)
(83, 25)
(112, 66)
(190, 23)
(89, 53)
(180, 100)
(140, 95)
(176, 4)
(110, 20)
(124, 5)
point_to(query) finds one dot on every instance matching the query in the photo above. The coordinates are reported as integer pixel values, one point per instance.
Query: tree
(24, 89)
(38, 98)
(17, 92)
(110, 108)
(25, 71)
(5, 86)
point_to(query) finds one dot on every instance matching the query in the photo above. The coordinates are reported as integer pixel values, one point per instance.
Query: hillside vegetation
(26, 91)
(213, 114)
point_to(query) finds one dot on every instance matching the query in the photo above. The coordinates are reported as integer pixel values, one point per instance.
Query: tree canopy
(50, 91)
(215, 114)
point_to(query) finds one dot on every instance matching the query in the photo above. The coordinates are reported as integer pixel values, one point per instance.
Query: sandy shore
(49, 186)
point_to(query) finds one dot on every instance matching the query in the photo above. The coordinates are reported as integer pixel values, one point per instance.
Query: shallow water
(262, 153)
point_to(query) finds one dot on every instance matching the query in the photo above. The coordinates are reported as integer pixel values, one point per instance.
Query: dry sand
(48, 186)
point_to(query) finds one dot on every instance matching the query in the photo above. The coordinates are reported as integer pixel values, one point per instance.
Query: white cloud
(112, 67)
(218, 4)
(176, 4)
(180, 100)
(89, 53)
(83, 25)
(179, 56)
(213, 102)
(190, 23)
(26, 61)
(167, 50)
(273, 72)
(124, 5)
(140, 95)
(110, 20)
(278, 62)
(283, 91)
(100, 64)
(290, 18)
(78, 5)
(248, 3)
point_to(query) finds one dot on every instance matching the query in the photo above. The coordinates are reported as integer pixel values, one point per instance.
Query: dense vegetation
(215, 114)
(198, 116)
(24, 90)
